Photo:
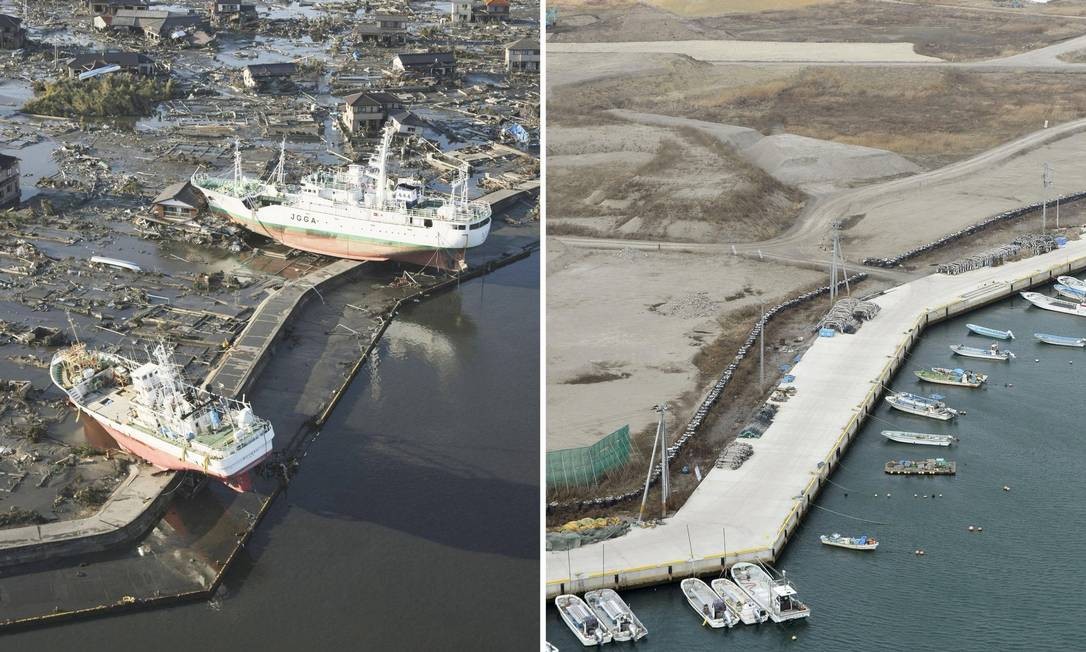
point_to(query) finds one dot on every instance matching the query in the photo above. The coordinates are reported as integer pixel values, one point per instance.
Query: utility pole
(761, 348)
(665, 482)
(1046, 181)
(836, 227)
(648, 475)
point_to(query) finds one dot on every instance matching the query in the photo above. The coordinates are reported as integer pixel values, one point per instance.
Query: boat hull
(909, 438)
(940, 380)
(981, 354)
(940, 416)
(849, 546)
(1057, 340)
(240, 481)
(1055, 305)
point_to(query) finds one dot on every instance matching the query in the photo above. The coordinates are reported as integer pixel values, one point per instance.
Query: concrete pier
(750, 513)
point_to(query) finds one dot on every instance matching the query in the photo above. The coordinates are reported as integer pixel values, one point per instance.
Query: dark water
(413, 523)
(1014, 586)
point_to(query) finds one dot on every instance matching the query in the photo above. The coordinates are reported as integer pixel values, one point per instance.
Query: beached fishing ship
(956, 377)
(151, 412)
(358, 213)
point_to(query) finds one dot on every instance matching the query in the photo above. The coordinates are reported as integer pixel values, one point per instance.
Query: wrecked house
(386, 29)
(366, 112)
(180, 202)
(462, 11)
(431, 64)
(522, 55)
(491, 10)
(407, 123)
(111, 7)
(233, 14)
(10, 194)
(12, 33)
(130, 62)
(155, 26)
(269, 76)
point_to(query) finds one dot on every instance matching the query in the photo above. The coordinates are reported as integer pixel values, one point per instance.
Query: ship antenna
(237, 164)
(280, 171)
(71, 323)
(382, 165)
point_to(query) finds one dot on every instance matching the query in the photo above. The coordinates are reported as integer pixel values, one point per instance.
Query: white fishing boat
(921, 406)
(581, 621)
(991, 332)
(863, 542)
(776, 596)
(956, 377)
(615, 615)
(922, 438)
(1072, 282)
(707, 604)
(1061, 340)
(1069, 292)
(748, 612)
(991, 353)
(1046, 302)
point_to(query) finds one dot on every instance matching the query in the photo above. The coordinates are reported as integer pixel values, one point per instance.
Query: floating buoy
(887, 495)
(919, 552)
(962, 412)
(1010, 384)
(1036, 359)
(915, 495)
(971, 528)
(794, 637)
(980, 529)
(1006, 488)
(940, 495)
(876, 495)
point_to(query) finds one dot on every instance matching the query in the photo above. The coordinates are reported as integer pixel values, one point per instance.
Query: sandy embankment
(767, 51)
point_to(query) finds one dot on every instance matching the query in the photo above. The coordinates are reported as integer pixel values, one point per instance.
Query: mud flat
(759, 506)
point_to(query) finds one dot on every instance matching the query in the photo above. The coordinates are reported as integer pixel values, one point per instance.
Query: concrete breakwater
(749, 514)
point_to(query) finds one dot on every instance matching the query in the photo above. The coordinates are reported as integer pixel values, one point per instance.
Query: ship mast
(381, 190)
(237, 164)
(281, 168)
(460, 187)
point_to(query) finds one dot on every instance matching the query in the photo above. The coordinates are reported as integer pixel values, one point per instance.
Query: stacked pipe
(694, 425)
(1032, 245)
(969, 230)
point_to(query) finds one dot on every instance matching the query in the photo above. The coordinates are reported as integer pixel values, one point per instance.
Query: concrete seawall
(749, 514)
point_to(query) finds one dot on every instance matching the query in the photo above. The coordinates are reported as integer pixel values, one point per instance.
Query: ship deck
(116, 406)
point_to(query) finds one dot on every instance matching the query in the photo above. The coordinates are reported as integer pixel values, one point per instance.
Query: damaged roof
(271, 69)
(371, 99)
(425, 58)
(183, 192)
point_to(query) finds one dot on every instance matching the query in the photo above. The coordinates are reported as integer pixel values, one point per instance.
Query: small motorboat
(1056, 305)
(1072, 282)
(921, 406)
(777, 596)
(615, 615)
(581, 621)
(707, 604)
(862, 542)
(1061, 340)
(993, 352)
(1073, 293)
(922, 438)
(990, 332)
(957, 377)
(749, 613)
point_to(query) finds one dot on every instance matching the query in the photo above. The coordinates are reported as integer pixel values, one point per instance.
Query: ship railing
(464, 214)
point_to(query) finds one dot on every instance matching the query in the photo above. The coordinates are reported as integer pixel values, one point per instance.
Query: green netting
(577, 467)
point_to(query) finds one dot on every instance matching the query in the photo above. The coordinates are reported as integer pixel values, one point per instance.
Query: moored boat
(740, 604)
(862, 542)
(1066, 291)
(581, 621)
(776, 596)
(1046, 302)
(1072, 282)
(921, 406)
(615, 615)
(991, 353)
(1061, 340)
(957, 377)
(991, 332)
(706, 603)
(922, 438)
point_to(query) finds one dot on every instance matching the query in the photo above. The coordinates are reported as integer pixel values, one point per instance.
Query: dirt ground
(625, 335)
(946, 32)
(932, 117)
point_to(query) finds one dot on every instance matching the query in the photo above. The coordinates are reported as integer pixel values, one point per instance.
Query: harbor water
(413, 520)
(1015, 585)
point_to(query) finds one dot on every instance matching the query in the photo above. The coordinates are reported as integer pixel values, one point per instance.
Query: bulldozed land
(931, 116)
(939, 30)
